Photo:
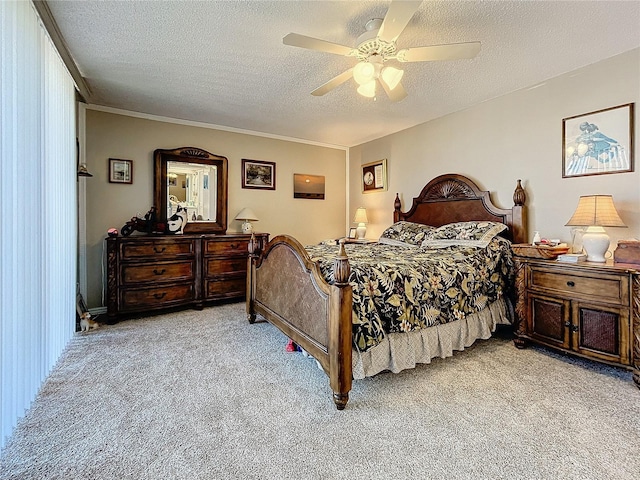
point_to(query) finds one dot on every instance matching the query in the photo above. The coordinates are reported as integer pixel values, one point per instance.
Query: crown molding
(189, 123)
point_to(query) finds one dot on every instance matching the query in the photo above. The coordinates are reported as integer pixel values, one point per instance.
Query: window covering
(38, 239)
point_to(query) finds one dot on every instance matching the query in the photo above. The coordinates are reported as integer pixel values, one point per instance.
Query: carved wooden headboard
(455, 198)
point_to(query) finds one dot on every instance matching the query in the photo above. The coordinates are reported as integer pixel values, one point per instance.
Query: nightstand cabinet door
(549, 320)
(601, 332)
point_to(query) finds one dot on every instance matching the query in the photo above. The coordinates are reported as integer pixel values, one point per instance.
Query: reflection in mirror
(192, 186)
(195, 180)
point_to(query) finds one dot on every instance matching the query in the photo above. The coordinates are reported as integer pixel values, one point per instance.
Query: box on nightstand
(628, 251)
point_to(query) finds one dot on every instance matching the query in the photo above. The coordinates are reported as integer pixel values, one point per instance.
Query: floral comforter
(407, 288)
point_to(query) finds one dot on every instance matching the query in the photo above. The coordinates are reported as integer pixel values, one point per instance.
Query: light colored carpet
(205, 395)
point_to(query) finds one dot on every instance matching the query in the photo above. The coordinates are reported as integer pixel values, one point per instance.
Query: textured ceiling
(224, 63)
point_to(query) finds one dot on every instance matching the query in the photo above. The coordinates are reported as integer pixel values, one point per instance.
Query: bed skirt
(400, 351)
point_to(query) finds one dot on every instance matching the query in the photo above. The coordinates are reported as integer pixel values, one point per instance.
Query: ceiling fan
(376, 46)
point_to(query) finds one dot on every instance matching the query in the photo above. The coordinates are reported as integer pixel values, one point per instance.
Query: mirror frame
(191, 155)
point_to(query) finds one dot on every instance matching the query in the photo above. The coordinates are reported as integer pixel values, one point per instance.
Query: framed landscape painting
(258, 174)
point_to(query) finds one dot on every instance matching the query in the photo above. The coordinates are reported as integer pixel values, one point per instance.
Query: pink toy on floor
(291, 347)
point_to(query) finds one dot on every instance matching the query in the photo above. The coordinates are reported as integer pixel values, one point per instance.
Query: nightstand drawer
(603, 287)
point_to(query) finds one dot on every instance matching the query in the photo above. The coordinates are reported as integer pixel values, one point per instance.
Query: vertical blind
(38, 208)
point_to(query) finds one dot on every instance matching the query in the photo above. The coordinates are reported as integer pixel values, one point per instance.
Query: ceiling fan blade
(451, 51)
(302, 41)
(333, 83)
(396, 94)
(396, 19)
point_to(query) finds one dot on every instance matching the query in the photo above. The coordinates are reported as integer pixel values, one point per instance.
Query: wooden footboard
(286, 288)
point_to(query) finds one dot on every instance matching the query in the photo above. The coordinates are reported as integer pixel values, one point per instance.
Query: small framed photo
(352, 233)
(120, 171)
(598, 143)
(374, 176)
(258, 174)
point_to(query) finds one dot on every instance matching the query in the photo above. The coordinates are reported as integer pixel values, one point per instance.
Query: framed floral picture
(120, 171)
(598, 143)
(258, 174)
(374, 176)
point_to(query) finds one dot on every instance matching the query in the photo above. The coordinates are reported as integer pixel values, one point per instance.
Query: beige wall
(110, 135)
(517, 136)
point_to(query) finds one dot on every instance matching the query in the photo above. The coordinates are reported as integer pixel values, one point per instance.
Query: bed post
(340, 331)
(254, 251)
(397, 209)
(519, 220)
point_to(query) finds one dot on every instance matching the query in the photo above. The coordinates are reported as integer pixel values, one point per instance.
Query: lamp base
(595, 242)
(361, 231)
(247, 227)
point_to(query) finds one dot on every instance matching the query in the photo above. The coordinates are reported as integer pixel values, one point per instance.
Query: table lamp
(361, 219)
(595, 212)
(246, 215)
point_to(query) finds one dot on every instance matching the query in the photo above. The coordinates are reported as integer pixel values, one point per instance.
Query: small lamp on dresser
(361, 219)
(596, 212)
(246, 215)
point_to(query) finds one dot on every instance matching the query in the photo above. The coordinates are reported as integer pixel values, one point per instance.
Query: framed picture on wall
(120, 171)
(258, 174)
(598, 143)
(374, 176)
(306, 186)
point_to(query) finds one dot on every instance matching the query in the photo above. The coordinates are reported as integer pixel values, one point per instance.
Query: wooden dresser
(587, 309)
(151, 273)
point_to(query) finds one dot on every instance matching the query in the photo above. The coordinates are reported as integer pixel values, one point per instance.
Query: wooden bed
(286, 287)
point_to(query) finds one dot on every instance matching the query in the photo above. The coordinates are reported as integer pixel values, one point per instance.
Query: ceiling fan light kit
(378, 45)
(368, 89)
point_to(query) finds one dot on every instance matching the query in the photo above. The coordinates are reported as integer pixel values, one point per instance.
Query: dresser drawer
(217, 266)
(158, 272)
(238, 246)
(228, 287)
(151, 297)
(604, 287)
(156, 248)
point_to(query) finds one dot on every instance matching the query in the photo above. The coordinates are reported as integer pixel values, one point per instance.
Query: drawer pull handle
(233, 245)
(567, 324)
(574, 328)
(159, 272)
(571, 284)
(159, 296)
(155, 249)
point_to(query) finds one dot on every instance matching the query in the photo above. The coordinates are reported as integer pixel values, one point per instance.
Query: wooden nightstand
(587, 309)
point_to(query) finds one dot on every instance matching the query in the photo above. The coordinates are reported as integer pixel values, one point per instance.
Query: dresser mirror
(195, 180)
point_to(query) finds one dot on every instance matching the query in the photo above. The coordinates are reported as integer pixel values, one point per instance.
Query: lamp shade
(368, 89)
(361, 216)
(246, 214)
(391, 76)
(596, 210)
(364, 72)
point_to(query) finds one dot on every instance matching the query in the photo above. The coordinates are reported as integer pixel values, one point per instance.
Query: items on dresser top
(572, 257)
(150, 273)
